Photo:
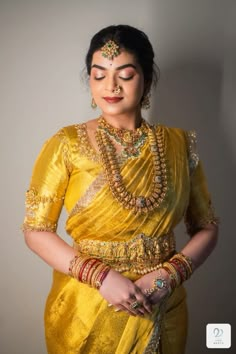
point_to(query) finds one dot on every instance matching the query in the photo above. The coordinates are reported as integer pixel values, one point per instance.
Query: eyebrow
(118, 68)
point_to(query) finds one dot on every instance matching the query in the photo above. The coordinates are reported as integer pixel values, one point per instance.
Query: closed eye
(126, 78)
(99, 78)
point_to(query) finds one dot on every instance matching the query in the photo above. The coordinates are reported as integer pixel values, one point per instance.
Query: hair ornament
(110, 50)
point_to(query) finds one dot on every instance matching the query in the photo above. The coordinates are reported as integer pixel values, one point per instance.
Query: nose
(111, 83)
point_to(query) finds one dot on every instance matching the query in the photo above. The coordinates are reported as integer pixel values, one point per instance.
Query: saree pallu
(69, 172)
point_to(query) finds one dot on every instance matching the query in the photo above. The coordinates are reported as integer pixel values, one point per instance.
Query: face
(123, 71)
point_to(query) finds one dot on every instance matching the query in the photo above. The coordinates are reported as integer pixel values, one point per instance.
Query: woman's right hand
(121, 292)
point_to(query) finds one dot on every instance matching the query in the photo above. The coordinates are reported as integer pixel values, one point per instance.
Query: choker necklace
(130, 140)
(138, 204)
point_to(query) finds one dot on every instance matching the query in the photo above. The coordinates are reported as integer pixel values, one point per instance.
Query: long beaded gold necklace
(138, 204)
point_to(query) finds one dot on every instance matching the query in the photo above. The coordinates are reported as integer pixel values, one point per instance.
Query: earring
(145, 103)
(93, 104)
(117, 90)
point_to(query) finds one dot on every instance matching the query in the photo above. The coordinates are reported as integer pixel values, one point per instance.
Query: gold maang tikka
(110, 50)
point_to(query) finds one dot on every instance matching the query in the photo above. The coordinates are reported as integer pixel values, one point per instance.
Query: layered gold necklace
(138, 204)
(131, 141)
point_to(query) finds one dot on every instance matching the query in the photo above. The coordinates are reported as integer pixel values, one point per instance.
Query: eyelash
(126, 78)
(122, 78)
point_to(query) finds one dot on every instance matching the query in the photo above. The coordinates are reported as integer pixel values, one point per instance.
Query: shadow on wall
(189, 97)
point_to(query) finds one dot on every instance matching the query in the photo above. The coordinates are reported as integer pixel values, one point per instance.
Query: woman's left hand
(147, 282)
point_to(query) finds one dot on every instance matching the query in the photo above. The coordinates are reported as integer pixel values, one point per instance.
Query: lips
(112, 99)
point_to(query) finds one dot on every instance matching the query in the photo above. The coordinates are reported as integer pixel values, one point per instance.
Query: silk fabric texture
(68, 172)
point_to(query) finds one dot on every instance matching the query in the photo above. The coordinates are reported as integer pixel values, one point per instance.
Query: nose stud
(117, 90)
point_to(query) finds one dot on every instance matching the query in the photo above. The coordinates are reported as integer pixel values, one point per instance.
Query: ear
(147, 88)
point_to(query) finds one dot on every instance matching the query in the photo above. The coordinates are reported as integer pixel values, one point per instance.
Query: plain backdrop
(42, 51)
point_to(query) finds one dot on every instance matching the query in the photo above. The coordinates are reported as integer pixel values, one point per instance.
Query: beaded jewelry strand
(138, 204)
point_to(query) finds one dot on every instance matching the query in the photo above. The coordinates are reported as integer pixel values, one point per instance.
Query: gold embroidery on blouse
(42, 226)
(139, 255)
(209, 218)
(32, 202)
(193, 155)
(66, 150)
(33, 199)
(85, 148)
(89, 194)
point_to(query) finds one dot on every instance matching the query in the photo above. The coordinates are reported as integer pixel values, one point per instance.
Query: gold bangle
(186, 261)
(173, 272)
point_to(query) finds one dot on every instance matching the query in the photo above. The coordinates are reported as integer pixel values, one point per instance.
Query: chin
(118, 111)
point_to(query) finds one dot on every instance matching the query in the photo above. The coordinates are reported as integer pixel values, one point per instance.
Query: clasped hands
(131, 297)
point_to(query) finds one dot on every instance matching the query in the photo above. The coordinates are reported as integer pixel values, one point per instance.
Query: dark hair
(134, 41)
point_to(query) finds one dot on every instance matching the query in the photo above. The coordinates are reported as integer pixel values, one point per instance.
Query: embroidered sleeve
(192, 150)
(45, 196)
(200, 211)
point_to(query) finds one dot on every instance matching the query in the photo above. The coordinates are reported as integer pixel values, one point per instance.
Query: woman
(125, 185)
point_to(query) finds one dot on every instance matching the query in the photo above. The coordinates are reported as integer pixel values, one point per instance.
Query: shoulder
(79, 130)
(71, 134)
(71, 131)
(171, 133)
(181, 140)
(174, 132)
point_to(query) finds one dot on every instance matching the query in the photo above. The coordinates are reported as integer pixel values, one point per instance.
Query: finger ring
(135, 305)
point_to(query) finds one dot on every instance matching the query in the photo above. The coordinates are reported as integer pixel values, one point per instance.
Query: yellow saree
(69, 172)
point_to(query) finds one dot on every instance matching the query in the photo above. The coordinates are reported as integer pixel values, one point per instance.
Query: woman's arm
(51, 248)
(198, 248)
(116, 289)
(201, 245)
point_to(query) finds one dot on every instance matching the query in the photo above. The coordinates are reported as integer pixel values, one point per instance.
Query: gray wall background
(43, 45)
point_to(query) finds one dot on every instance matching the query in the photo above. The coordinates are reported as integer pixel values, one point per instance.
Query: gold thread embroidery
(193, 155)
(32, 202)
(85, 148)
(139, 255)
(46, 226)
(33, 198)
(66, 150)
(89, 194)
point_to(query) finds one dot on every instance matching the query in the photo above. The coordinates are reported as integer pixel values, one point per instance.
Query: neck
(124, 121)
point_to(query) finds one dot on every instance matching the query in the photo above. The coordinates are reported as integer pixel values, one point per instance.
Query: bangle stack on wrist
(179, 268)
(88, 270)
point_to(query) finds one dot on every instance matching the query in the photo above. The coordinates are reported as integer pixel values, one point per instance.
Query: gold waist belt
(140, 255)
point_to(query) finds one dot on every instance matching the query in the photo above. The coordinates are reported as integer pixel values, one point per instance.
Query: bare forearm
(201, 245)
(51, 248)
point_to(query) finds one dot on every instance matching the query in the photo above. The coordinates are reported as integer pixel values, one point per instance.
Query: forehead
(123, 58)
